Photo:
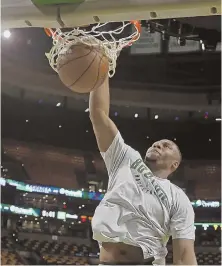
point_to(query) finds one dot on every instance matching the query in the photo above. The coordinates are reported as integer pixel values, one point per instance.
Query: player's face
(164, 153)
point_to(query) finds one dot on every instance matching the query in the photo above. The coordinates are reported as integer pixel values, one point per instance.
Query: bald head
(178, 154)
(164, 154)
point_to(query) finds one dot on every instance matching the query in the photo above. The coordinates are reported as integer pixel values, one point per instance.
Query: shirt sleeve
(182, 221)
(115, 154)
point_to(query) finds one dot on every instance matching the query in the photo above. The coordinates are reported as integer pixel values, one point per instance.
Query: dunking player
(141, 208)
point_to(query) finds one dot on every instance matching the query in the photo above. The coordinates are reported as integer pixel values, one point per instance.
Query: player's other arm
(183, 252)
(183, 232)
(104, 128)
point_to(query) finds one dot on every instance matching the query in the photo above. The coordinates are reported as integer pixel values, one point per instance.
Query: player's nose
(157, 145)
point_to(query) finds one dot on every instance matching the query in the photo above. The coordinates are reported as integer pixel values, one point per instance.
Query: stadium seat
(10, 257)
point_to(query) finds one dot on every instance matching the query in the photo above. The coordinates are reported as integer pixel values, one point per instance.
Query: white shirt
(139, 208)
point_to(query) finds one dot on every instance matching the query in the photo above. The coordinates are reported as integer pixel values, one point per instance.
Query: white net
(110, 41)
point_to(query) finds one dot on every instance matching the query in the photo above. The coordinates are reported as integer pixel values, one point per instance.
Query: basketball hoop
(107, 40)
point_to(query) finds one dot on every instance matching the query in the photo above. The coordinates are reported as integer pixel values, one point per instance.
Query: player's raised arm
(110, 143)
(104, 128)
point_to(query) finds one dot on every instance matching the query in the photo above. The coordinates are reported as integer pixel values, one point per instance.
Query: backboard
(71, 13)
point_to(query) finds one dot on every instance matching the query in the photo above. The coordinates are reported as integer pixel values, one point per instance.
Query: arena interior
(166, 85)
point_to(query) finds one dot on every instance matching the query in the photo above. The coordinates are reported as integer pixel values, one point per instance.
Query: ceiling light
(6, 34)
(156, 116)
(136, 115)
(202, 45)
(58, 104)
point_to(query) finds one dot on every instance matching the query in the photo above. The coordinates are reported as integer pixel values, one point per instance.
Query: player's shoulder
(132, 153)
(176, 188)
(179, 194)
(180, 201)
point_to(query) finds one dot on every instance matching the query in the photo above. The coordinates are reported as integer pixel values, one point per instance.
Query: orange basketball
(82, 68)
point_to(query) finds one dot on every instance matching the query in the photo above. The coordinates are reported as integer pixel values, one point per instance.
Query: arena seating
(209, 258)
(55, 248)
(51, 253)
(203, 258)
(46, 164)
(10, 257)
(209, 237)
(211, 243)
(64, 260)
(207, 177)
(10, 169)
(6, 242)
(54, 253)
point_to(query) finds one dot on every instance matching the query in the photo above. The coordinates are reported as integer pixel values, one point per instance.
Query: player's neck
(161, 173)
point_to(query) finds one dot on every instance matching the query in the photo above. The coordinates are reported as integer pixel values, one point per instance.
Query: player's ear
(174, 166)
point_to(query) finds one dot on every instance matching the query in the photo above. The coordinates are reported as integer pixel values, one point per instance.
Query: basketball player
(141, 208)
